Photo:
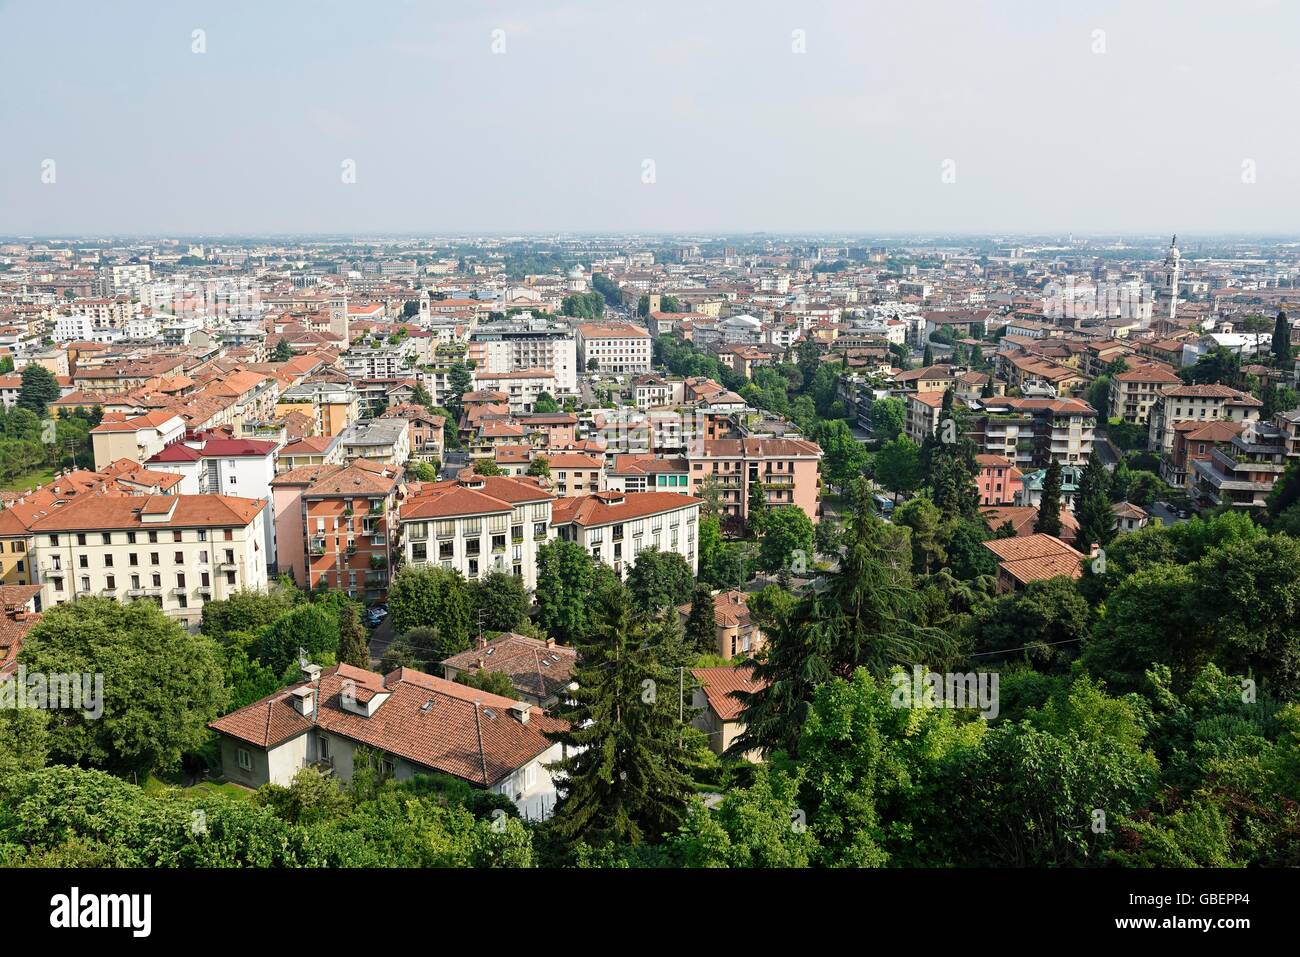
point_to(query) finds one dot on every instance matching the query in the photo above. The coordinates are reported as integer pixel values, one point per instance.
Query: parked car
(376, 614)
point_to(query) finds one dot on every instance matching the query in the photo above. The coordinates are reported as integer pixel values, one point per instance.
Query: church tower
(1169, 292)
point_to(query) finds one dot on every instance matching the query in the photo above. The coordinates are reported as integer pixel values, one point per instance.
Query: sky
(707, 116)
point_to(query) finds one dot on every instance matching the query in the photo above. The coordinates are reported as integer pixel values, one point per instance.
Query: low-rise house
(718, 711)
(998, 479)
(1129, 518)
(410, 722)
(1023, 518)
(540, 670)
(738, 635)
(1032, 558)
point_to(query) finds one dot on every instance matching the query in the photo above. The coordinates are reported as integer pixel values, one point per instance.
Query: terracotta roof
(427, 721)
(478, 495)
(1036, 557)
(718, 685)
(603, 508)
(534, 667)
(124, 511)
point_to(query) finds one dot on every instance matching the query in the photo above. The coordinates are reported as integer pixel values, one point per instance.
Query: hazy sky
(745, 134)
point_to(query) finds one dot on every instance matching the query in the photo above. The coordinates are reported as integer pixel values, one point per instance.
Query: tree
(540, 467)
(659, 580)
(756, 508)
(867, 615)
(312, 628)
(545, 404)
(927, 357)
(710, 546)
(433, 597)
(625, 775)
(161, 684)
(1282, 351)
(1049, 506)
(924, 520)
(493, 682)
(787, 535)
(421, 472)
(701, 628)
(246, 610)
(354, 647)
(421, 397)
(459, 380)
(887, 417)
(1096, 520)
(1046, 622)
(843, 456)
(566, 575)
(500, 602)
(39, 388)
(486, 466)
(898, 466)
(283, 352)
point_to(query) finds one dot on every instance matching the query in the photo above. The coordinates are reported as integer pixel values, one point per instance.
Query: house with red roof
(409, 722)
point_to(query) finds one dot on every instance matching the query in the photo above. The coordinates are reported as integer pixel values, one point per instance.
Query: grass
(29, 480)
(155, 785)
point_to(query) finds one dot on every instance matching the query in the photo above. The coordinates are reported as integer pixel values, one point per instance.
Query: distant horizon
(512, 118)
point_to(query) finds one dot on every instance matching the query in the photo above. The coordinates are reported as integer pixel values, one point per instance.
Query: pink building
(788, 468)
(998, 479)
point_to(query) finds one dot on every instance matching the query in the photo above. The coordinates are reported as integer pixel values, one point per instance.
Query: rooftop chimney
(310, 672)
(550, 642)
(519, 711)
(304, 700)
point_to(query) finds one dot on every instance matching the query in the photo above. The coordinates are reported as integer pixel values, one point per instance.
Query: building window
(245, 758)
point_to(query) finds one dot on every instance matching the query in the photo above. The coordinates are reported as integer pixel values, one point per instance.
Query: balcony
(317, 546)
(205, 591)
(180, 590)
(228, 566)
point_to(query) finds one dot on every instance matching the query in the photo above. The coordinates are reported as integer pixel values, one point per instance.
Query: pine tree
(927, 358)
(1096, 520)
(1282, 340)
(625, 777)
(701, 623)
(354, 648)
(1049, 506)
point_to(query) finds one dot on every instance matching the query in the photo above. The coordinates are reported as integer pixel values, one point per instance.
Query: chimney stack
(304, 700)
(550, 642)
(519, 710)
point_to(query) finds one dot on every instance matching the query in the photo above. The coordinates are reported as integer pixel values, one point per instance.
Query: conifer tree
(1049, 506)
(625, 777)
(1096, 520)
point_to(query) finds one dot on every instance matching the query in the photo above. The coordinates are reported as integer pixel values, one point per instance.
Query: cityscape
(331, 541)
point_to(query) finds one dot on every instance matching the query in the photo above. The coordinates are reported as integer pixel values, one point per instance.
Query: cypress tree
(1049, 507)
(1282, 340)
(354, 649)
(701, 623)
(1096, 520)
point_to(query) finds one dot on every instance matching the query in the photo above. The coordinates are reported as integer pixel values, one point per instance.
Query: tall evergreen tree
(701, 624)
(927, 357)
(39, 388)
(354, 648)
(868, 616)
(1096, 520)
(1049, 506)
(625, 777)
(1282, 340)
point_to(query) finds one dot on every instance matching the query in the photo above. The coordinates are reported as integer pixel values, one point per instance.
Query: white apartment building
(219, 466)
(521, 387)
(536, 344)
(616, 348)
(615, 527)
(477, 525)
(181, 551)
(128, 278)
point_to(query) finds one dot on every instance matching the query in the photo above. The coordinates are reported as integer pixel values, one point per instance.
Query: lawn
(155, 785)
(29, 481)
